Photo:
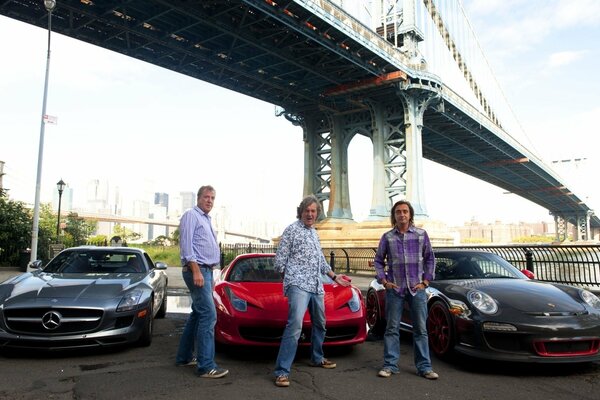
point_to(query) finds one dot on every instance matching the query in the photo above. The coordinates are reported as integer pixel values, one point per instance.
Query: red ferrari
(252, 310)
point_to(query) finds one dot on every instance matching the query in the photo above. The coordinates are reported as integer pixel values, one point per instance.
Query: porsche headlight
(237, 303)
(483, 302)
(590, 298)
(354, 302)
(130, 301)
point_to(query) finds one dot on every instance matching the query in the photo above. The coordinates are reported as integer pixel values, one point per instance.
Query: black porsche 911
(482, 306)
(84, 297)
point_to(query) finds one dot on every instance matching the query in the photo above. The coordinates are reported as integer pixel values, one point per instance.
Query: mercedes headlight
(130, 301)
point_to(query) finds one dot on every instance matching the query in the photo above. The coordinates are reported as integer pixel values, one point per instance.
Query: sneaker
(193, 361)
(325, 363)
(215, 373)
(429, 375)
(385, 373)
(282, 381)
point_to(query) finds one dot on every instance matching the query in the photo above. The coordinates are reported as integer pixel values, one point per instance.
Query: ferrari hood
(68, 286)
(527, 296)
(269, 296)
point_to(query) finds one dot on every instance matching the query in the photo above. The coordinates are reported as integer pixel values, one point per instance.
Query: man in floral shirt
(300, 258)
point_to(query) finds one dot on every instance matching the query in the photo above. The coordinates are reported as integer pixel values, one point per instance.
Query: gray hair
(307, 201)
(205, 187)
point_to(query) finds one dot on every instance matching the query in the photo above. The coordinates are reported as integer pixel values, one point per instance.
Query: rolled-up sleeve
(186, 235)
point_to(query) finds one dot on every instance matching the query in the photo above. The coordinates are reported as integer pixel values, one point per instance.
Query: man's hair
(411, 210)
(203, 188)
(307, 201)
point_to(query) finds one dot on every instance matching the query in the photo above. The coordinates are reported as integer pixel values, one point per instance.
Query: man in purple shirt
(199, 253)
(407, 252)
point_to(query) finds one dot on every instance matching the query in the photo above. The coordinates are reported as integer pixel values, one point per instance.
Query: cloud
(564, 58)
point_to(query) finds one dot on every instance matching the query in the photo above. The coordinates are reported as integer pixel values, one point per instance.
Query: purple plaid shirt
(409, 258)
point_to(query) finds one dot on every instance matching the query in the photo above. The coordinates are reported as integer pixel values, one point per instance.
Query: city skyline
(149, 130)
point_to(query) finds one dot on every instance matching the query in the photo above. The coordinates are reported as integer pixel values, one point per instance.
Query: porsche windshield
(465, 265)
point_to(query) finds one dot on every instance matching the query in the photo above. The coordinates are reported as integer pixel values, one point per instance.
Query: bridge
(404, 77)
(122, 219)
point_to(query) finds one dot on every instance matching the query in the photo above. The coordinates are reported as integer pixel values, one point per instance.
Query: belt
(208, 266)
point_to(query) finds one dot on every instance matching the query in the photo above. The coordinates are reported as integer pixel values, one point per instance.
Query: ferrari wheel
(374, 318)
(440, 330)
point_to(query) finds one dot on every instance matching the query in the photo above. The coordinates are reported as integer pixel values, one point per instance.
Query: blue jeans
(200, 326)
(298, 301)
(391, 340)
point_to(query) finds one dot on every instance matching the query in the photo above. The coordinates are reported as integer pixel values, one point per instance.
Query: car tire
(375, 320)
(162, 311)
(440, 329)
(145, 339)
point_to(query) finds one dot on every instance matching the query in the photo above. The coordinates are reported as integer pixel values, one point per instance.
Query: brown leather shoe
(325, 363)
(282, 381)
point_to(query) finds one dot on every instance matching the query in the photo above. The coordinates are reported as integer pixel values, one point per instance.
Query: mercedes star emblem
(51, 320)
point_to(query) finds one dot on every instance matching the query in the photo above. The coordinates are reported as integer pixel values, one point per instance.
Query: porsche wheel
(440, 330)
(375, 320)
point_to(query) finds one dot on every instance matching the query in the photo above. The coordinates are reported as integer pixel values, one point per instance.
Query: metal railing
(571, 264)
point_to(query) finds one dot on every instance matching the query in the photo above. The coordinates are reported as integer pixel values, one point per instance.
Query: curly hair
(307, 201)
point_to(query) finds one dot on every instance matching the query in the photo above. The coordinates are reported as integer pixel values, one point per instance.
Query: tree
(15, 229)
(78, 230)
(175, 237)
(125, 233)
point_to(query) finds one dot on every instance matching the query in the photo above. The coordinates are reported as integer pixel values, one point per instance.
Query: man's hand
(196, 274)
(343, 280)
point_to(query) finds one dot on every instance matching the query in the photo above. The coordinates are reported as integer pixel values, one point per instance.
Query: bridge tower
(394, 126)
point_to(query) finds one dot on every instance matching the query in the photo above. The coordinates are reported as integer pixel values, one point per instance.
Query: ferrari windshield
(255, 269)
(472, 265)
(102, 260)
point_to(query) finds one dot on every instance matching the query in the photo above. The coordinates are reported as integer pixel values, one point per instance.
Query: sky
(148, 129)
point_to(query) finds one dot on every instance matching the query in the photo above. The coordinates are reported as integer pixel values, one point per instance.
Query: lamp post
(60, 186)
(50, 5)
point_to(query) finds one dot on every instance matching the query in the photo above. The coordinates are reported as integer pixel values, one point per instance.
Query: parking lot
(150, 373)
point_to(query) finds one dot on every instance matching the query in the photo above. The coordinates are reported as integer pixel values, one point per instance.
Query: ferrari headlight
(130, 301)
(590, 298)
(237, 303)
(354, 302)
(483, 302)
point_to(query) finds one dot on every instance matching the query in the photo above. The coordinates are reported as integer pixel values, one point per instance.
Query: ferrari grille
(268, 335)
(52, 321)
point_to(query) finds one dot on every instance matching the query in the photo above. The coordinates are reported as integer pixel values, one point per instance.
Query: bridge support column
(380, 205)
(339, 201)
(317, 158)
(560, 227)
(583, 227)
(415, 103)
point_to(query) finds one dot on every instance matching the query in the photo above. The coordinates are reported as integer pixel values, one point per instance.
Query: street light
(60, 185)
(49, 4)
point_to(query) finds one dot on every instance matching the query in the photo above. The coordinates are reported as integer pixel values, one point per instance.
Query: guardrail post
(529, 260)
(332, 260)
